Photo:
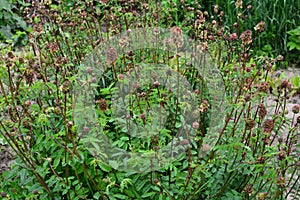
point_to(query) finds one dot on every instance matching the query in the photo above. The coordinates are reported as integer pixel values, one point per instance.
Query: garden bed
(169, 101)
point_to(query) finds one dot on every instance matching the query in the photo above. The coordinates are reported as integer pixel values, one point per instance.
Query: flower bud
(262, 112)
(280, 57)
(262, 196)
(295, 109)
(284, 83)
(102, 104)
(143, 116)
(234, 36)
(35, 192)
(282, 154)
(206, 147)
(195, 125)
(121, 76)
(86, 129)
(89, 70)
(3, 194)
(156, 84)
(280, 182)
(185, 142)
(268, 126)
(250, 123)
(69, 125)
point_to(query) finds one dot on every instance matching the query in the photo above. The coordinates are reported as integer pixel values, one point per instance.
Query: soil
(295, 99)
(6, 158)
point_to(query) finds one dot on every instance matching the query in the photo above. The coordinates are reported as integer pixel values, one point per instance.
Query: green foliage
(245, 157)
(296, 83)
(294, 39)
(294, 45)
(280, 16)
(12, 27)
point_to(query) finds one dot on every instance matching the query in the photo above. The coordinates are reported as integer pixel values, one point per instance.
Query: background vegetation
(279, 17)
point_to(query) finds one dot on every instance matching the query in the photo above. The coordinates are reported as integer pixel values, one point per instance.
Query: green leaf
(161, 197)
(291, 45)
(5, 5)
(97, 195)
(56, 162)
(148, 194)
(20, 22)
(65, 191)
(113, 164)
(105, 167)
(6, 31)
(2, 142)
(141, 184)
(120, 196)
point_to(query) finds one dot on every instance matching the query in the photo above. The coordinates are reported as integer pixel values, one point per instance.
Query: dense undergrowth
(145, 77)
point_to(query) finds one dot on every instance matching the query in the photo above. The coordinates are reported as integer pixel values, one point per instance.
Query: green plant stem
(296, 183)
(25, 160)
(198, 188)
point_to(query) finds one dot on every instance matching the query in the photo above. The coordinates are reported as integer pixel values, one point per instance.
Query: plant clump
(249, 151)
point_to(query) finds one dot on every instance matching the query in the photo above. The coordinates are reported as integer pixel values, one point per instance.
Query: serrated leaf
(6, 31)
(105, 167)
(56, 162)
(113, 164)
(96, 195)
(4, 4)
(148, 194)
(120, 196)
(141, 184)
(291, 45)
